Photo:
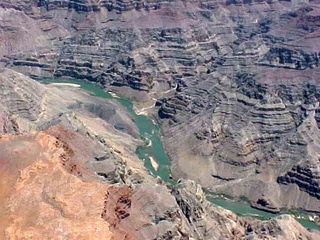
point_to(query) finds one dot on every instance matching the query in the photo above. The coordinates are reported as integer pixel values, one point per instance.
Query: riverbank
(149, 131)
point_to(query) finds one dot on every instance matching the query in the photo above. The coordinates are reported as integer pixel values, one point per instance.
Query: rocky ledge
(51, 193)
(68, 174)
(235, 82)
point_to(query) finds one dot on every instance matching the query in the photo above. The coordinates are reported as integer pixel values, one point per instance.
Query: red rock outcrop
(42, 198)
(49, 192)
(234, 81)
(53, 186)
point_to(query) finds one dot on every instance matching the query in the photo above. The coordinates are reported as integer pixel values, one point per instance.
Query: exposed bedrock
(235, 83)
(81, 170)
(55, 185)
(306, 179)
(211, 222)
(84, 177)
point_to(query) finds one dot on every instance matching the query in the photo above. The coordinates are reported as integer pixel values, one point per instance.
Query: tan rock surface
(41, 198)
(234, 81)
(50, 188)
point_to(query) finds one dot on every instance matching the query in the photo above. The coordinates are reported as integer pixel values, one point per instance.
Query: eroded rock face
(38, 106)
(79, 180)
(43, 197)
(50, 192)
(211, 222)
(236, 83)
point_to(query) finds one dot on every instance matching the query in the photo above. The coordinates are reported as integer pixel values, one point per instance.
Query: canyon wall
(235, 82)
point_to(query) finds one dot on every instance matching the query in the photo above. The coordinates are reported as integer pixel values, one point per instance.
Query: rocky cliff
(67, 174)
(235, 83)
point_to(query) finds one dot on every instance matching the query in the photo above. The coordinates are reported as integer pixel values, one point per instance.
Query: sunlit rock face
(49, 193)
(44, 198)
(68, 172)
(235, 83)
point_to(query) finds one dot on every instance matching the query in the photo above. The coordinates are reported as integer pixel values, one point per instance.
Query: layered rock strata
(235, 83)
(59, 182)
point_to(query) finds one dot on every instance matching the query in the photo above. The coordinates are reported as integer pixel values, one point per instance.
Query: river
(157, 162)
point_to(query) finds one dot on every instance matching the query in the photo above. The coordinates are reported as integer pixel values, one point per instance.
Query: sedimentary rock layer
(50, 193)
(235, 83)
(72, 176)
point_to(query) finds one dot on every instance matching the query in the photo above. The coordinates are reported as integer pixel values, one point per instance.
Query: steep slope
(77, 180)
(235, 83)
(211, 222)
(43, 198)
(49, 193)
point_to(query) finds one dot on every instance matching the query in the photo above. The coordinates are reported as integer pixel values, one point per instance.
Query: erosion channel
(157, 162)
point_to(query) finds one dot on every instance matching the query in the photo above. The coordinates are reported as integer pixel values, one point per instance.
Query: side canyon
(234, 86)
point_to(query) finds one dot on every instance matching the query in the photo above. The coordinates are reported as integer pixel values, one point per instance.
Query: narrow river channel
(153, 150)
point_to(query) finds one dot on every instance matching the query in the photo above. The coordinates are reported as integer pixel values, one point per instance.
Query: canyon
(65, 174)
(233, 84)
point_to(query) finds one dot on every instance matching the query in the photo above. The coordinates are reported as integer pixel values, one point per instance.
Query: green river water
(149, 132)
